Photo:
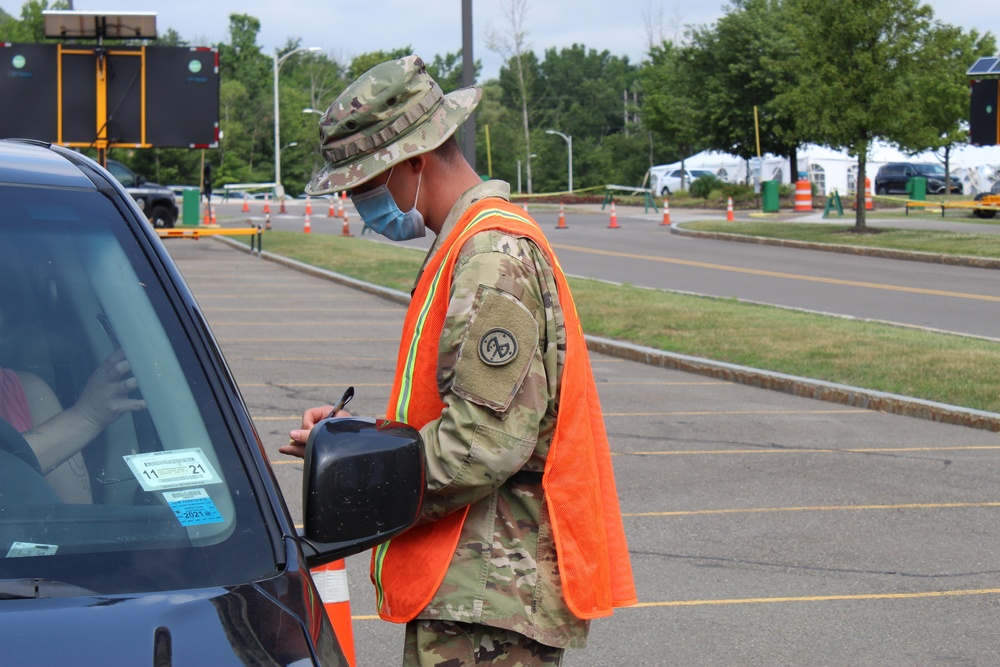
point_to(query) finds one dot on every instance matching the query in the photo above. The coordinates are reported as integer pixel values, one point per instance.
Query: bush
(704, 186)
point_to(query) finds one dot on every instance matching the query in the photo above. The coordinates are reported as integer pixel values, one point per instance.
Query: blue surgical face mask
(378, 210)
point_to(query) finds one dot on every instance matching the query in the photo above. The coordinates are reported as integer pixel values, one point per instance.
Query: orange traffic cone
(346, 229)
(267, 221)
(331, 582)
(283, 205)
(614, 218)
(267, 204)
(215, 222)
(246, 203)
(666, 212)
(729, 210)
(307, 226)
(343, 198)
(331, 213)
(562, 218)
(309, 206)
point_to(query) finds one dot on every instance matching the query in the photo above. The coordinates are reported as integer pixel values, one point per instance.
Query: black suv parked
(156, 201)
(893, 177)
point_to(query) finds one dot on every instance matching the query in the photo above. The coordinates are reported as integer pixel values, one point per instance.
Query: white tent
(975, 167)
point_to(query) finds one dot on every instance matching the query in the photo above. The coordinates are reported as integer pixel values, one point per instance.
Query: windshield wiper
(30, 588)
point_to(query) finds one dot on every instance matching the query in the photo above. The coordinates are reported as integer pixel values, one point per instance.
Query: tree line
(773, 74)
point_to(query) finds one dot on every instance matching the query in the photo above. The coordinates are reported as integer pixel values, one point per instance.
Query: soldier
(517, 548)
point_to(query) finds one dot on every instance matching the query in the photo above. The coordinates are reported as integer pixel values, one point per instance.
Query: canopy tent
(976, 167)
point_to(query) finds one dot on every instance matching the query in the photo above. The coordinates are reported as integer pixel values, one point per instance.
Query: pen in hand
(344, 400)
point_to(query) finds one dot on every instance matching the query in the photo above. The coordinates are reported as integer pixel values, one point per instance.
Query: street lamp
(277, 130)
(569, 144)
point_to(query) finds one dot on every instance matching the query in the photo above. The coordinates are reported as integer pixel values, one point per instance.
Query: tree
(448, 71)
(673, 107)
(740, 64)
(511, 45)
(861, 59)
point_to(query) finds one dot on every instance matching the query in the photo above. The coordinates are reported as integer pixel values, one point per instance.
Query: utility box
(769, 196)
(189, 208)
(916, 187)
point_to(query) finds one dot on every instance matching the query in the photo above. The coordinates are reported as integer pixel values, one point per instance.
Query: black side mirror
(363, 483)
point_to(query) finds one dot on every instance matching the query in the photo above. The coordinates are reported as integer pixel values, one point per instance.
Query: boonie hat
(393, 112)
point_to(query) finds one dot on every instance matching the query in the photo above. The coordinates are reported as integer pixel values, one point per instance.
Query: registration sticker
(172, 469)
(193, 507)
(26, 549)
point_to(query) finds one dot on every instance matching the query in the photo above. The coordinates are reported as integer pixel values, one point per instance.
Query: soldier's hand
(298, 437)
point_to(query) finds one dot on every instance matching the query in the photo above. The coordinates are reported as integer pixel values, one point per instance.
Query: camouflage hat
(394, 111)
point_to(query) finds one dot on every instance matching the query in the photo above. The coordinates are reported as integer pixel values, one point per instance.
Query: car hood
(242, 625)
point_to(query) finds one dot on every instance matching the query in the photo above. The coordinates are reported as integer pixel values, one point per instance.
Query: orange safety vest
(578, 480)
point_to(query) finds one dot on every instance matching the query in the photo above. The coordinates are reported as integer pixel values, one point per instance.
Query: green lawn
(950, 369)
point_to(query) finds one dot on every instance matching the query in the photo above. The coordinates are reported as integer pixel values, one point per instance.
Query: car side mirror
(363, 483)
(140, 181)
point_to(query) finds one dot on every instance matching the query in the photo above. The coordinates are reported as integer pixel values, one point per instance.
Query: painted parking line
(690, 413)
(816, 598)
(808, 450)
(818, 508)
(779, 274)
(272, 339)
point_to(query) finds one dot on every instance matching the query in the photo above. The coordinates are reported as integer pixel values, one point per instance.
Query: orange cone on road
(283, 210)
(346, 229)
(207, 220)
(309, 206)
(614, 218)
(267, 221)
(729, 210)
(214, 223)
(307, 226)
(666, 212)
(331, 582)
(332, 213)
(562, 218)
(246, 203)
(267, 204)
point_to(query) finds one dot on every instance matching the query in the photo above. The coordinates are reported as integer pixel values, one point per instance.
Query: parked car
(664, 183)
(892, 178)
(156, 201)
(187, 554)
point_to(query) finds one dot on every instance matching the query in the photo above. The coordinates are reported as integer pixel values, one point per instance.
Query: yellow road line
(739, 412)
(808, 598)
(779, 274)
(807, 450)
(815, 598)
(819, 508)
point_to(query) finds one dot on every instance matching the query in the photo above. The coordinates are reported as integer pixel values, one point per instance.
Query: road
(641, 251)
(763, 528)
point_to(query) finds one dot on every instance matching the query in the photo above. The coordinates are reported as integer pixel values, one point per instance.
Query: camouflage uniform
(501, 597)
(504, 572)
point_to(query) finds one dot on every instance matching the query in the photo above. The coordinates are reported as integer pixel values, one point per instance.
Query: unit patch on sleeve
(497, 347)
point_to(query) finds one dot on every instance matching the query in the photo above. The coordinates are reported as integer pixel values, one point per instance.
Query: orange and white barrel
(868, 194)
(803, 196)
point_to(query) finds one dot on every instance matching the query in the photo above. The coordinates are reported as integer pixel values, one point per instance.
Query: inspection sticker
(193, 507)
(23, 549)
(172, 469)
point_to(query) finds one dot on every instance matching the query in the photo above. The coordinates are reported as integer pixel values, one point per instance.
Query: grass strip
(951, 369)
(941, 242)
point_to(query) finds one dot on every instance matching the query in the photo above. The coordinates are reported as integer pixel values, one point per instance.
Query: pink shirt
(13, 403)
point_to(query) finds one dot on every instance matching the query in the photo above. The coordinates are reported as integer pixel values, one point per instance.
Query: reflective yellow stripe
(380, 552)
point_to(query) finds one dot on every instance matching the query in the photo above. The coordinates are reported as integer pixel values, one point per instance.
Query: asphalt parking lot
(764, 528)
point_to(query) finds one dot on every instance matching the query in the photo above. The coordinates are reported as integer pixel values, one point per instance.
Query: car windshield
(170, 498)
(930, 170)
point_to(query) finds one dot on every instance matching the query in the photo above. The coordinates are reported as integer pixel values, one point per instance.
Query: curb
(885, 253)
(868, 399)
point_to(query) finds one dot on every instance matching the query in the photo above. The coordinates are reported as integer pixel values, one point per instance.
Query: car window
(173, 503)
(930, 170)
(123, 175)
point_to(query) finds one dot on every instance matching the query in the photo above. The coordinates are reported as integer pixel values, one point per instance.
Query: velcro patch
(497, 350)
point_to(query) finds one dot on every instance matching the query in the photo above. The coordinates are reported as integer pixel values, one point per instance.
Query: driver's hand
(105, 396)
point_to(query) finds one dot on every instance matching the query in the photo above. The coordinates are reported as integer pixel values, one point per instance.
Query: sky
(434, 27)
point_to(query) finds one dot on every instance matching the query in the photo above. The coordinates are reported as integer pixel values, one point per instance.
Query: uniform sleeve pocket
(496, 353)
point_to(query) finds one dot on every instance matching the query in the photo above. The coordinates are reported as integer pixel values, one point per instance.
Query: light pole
(569, 144)
(278, 191)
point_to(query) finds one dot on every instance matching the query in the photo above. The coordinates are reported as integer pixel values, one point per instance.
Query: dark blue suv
(171, 543)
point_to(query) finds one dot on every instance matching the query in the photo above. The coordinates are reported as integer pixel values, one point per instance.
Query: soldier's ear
(417, 163)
